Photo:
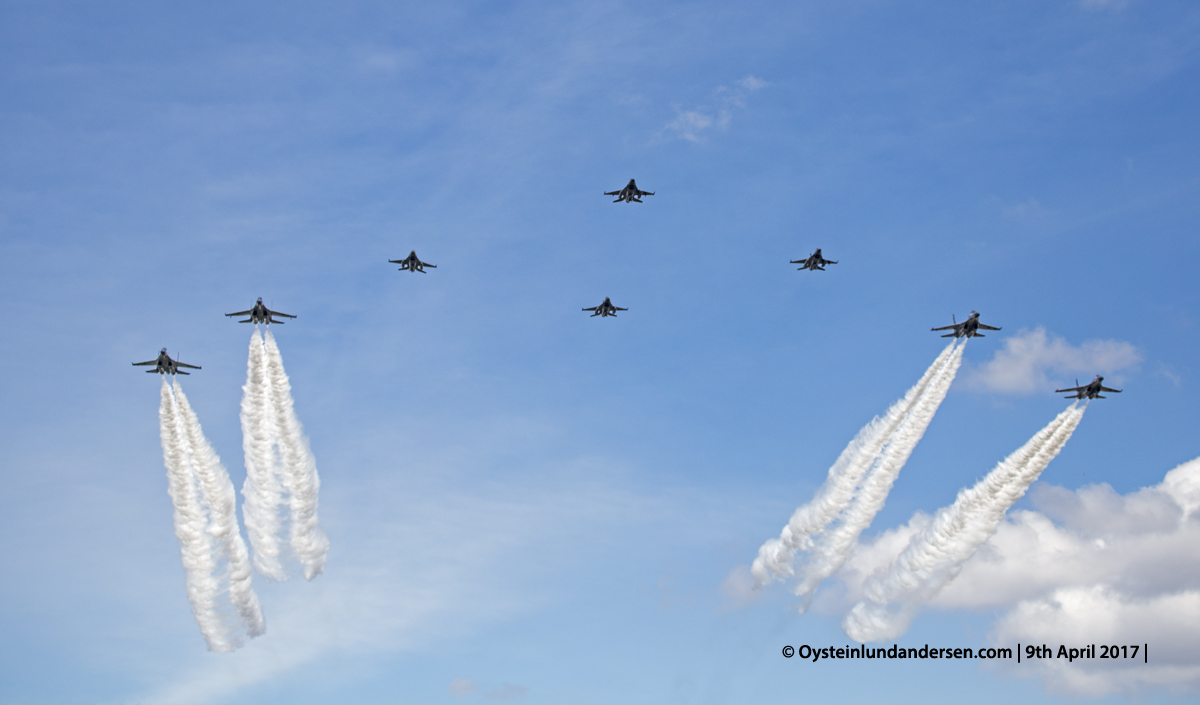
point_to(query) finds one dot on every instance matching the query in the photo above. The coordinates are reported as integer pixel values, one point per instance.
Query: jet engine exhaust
(206, 525)
(834, 546)
(936, 555)
(776, 556)
(278, 462)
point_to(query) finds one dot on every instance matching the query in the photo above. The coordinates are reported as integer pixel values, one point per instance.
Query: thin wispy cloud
(1033, 360)
(693, 124)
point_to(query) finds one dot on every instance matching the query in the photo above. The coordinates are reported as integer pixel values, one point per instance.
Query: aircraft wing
(151, 362)
(618, 308)
(986, 327)
(426, 264)
(184, 364)
(954, 327)
(612, 193)
(240, 313)
(1071, 389)
(277, 313)
(1106, 389)
(586, 309)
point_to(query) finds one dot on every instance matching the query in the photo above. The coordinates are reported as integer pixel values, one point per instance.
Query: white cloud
(1089, 567)
(691, 124)
(1028, 358)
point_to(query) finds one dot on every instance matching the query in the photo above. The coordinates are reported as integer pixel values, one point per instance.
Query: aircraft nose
(163, 350)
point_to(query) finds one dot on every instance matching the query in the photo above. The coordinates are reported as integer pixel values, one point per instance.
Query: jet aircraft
(814, 262)
(1088, 391)
(605, 309)
(412, 263)
(261, 314)
(166, 366)
(967, 329)
(629, 194)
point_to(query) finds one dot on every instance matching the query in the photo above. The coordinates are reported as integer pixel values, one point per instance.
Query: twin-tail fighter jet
(1088, 391)
(814, 262)
(261, 314)
(164, 365)
(629, 194)
(412, 263)
(605, 309)
(967, 329)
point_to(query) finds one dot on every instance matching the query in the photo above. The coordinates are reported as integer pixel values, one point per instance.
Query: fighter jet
(412, 263)
(1088, 391)
(605, 309)
(815, 261)
(629, 194)
(164, 365)
(967, 329)
(260, 314)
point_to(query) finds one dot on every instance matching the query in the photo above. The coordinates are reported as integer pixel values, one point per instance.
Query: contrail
(221, 502)
(300, 479)
(262, 489)
(834, 546)
(935, 556)
(191, 521)
(776, 556)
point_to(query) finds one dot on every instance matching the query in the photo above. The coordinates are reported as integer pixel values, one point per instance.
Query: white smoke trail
(935, 556)
(834, 546)
(221, 502)
(191, 523)
(776, 556)
(262, 490)
(308, 540)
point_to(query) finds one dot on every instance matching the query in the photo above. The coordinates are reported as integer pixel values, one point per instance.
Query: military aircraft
(166, 366)
(261, 314)
(412, 263)
(815, 261)
(605, 309)
(1088, 391)
(967, 329)
(629, 194)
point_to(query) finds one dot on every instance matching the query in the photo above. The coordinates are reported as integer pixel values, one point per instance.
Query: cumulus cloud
(1028, 359)
(1089, 566)
(692, 124)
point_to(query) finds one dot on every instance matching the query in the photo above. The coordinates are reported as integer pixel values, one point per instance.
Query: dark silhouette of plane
(605, 309)
(814, 261)
(261, 314)
(1088, 391)
(629, 194)
(164, 365)
(967, 329)
(412, 263)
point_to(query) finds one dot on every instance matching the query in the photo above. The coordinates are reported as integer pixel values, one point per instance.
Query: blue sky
(524, 503)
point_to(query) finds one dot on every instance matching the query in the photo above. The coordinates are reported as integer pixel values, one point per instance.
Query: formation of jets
(967, 329)
(261, 314)
(164, 365)
(631, 193)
